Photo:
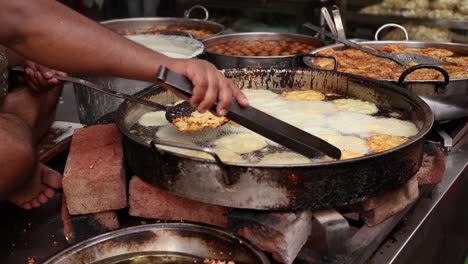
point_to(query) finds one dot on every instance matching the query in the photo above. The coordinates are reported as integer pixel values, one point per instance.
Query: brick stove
(375, 231)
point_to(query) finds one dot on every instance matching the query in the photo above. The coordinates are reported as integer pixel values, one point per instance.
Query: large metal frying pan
(283, 187)
(448, 98)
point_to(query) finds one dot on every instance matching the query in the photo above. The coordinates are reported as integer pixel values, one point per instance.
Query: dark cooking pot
(230, 61)
(447, 98)
(283, 187)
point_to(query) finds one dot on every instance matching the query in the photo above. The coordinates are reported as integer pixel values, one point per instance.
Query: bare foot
(39, 189)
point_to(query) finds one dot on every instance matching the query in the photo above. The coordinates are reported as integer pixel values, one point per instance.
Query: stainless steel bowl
(143, 22)
(228, 62)
(179, 240)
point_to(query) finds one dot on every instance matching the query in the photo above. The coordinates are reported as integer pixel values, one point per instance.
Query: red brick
(281, 234)
(109, 220)
(94, 177)
(148, 201)
(432, 168)
(386, 205)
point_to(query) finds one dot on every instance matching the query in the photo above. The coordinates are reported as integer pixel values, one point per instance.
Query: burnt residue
(183, 109)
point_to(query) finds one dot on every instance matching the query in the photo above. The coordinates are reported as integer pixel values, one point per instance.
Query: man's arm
(48, 32)
(17, 154)
(13, 58)
(54, 35)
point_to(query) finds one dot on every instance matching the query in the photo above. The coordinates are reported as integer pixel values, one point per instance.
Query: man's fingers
(53, 82)
(200, 86)
(239, 95)
(32, 82)
(41, 80)
(61, 73)
(224, 98)
(31, 65)
(211, 93)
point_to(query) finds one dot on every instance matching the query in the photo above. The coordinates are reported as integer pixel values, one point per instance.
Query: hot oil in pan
(152, 258)
(207, 137)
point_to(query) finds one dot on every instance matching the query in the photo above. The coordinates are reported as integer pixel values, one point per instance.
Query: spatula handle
(258, 121)
(174, 81)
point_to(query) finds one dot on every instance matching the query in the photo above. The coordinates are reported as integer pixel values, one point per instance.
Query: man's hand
(40, 78)
(209, 85)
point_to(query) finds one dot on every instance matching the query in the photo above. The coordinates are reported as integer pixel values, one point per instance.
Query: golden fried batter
(346, 154)
(379, 143)
(360, 63)
(355, 105)
(241, 143)
(308, 95)
(284, 158)
(198, 121)
(158, 30)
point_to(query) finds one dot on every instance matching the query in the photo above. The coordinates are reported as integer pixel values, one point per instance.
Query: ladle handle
(338, 22)
(349, 43)
(224, 181)
(100, 89)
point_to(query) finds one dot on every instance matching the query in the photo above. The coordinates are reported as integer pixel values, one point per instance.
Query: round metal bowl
(447, 102)
(143, 22)
(179, 240)
(173, 46)
(228, 62)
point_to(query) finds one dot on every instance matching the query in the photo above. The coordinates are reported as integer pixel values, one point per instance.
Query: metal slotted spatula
(257, 121)
(402, 59)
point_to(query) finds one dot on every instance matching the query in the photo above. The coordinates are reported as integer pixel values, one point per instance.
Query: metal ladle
(402, 59)
(179, 110)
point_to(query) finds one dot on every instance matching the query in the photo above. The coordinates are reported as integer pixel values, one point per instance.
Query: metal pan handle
(391, 25)
(441, 84)
(188, 12)
(225, 179)
(309, 63)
